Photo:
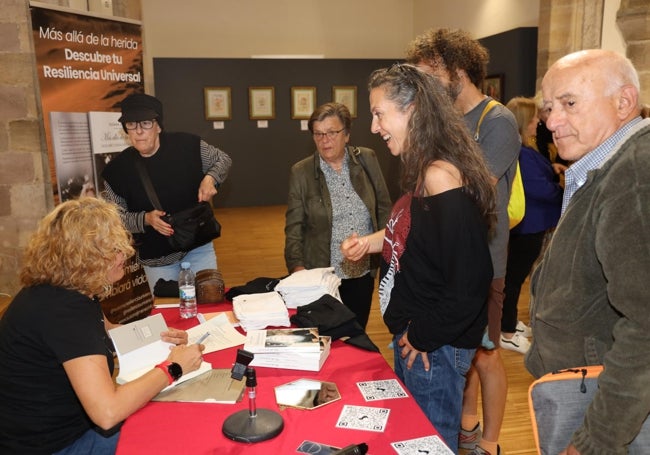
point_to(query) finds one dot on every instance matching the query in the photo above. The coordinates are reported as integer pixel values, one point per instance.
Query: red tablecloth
(195, 428)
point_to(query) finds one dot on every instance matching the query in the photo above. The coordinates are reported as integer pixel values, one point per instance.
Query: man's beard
(454, 88)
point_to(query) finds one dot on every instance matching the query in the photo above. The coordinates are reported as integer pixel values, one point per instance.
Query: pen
(203, 337)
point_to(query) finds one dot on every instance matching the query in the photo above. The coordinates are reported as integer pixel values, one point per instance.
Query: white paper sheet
(222, 334)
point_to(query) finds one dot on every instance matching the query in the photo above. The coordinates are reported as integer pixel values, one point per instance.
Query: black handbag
(193, 227)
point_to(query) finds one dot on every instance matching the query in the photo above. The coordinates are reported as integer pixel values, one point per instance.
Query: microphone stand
(254, 425)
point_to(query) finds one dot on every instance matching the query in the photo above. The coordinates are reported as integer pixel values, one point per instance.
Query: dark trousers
(356, 294)
(523, 251)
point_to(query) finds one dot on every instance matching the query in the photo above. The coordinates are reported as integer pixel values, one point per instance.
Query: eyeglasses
(144, 124)
(330, 135)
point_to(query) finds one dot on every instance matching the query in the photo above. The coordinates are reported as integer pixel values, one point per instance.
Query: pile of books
(294, 349)
(257, 311)
(305, 286)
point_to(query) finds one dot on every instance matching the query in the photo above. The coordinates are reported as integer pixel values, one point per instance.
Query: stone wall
(633, 19)
(567, 26)
(25, 190)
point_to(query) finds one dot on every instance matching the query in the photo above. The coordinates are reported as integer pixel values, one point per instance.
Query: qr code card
(381, 390)
(432, 445)
(363, 418)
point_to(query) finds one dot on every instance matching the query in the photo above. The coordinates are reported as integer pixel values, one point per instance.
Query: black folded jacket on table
(165, 288)
(255, 286)
(334, 319)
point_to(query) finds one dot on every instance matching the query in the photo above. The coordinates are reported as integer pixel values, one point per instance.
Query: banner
(86, 66)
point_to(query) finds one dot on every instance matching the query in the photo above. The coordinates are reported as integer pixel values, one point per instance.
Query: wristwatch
(173, 370)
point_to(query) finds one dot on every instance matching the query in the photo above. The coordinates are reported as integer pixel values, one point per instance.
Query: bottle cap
(185, 265)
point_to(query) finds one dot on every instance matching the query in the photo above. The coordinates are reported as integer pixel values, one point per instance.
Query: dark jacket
(589, 296)
(308, 228)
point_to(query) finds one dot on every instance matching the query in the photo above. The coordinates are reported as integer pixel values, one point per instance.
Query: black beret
(138, 107)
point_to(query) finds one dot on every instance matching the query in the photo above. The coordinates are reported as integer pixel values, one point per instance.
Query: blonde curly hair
(76, 245)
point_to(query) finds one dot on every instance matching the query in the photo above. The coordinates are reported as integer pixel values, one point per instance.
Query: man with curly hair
(460, 62)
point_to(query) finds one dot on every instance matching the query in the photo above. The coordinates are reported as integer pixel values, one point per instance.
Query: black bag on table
(333, 318)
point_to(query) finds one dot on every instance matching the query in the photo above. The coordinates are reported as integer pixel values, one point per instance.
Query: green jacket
(589, 295)
(308, 228)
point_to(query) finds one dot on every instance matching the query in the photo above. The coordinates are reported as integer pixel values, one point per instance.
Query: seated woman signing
(57, 394)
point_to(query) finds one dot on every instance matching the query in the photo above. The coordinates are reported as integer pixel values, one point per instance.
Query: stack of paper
(282, 340)
(257, 311)
(306, 286)
(140, 348)
(295, 349)
(309, 361)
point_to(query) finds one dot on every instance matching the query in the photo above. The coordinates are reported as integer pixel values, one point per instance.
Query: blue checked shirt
(576, 175)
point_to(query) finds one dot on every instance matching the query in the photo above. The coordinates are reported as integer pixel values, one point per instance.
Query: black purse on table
(193, 227)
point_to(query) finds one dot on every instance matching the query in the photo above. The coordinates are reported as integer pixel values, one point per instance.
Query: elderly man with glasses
(183, 170)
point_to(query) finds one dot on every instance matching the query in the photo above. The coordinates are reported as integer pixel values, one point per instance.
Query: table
(195, 428)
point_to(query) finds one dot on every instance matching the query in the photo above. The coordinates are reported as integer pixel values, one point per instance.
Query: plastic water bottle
(187, 291)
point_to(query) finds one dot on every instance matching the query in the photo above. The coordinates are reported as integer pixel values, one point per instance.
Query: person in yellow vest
(543, 196)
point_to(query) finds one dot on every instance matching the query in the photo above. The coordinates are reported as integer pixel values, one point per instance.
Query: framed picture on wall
(347, 95)
(303, 102)
(217, 103)
(261, 103)
(493, 86)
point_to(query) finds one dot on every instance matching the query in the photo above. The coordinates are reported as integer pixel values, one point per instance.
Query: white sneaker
(523, 329)
(517, 343)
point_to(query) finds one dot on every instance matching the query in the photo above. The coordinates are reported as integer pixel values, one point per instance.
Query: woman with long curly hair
(436, 267)
(57, 394)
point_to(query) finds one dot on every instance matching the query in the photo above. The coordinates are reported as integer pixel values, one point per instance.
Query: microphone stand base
(243, 428)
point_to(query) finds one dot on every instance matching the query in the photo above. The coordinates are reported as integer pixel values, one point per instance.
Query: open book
(140, 348)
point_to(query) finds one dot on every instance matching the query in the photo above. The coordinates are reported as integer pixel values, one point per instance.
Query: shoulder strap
(148, 186)
(488, 107)
(356, 151)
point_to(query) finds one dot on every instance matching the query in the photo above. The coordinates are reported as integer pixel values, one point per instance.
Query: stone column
(570, 25)
(25, 189)
(633, 19)
(567, 26)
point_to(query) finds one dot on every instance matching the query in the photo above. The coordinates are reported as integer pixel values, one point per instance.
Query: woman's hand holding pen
(188, 356)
